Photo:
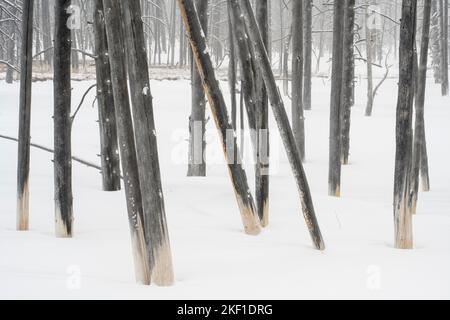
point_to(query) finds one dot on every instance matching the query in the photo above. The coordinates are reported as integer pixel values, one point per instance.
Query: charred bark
(216, 100)
(107, 119)
(197, 121)
(262, 60)
(23, 166)
(127, 144)
(155, 225)
(402, 213)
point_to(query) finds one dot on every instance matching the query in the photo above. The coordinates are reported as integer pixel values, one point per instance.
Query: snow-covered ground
(212, 256)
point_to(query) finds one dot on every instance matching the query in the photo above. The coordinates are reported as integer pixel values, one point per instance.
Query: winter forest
(211, 149)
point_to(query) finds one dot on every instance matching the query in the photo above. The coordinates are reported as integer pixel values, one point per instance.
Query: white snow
(212, 257)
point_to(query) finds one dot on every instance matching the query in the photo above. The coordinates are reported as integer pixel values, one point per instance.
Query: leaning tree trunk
(23, 162)
(419, 130)
(155, 228)
(247, 69)
(334, 174)
(62, 121)
(402, 213)
(197, 121)
(232, 74)
(219, 111)
(262, 124)
(308, 55)
(127, 145)
(347, 81)
(107, 118)
(298, 119)
(262, 60)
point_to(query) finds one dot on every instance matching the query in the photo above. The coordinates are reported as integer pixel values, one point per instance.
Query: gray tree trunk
(62, 121)
(347, 81)
(308, 55)
(444, 46)
(10, 49)
(370, 43)
(334, 173)
(107, 119)
(262, 60)
(127, 145)
(23, 163)
(298, 119)
(197, 121)
(216, 101)
(46, 32)
(262, 123)
(419, 130)
(402, 212)
(247, 68)
(435, 41)
(155, 225)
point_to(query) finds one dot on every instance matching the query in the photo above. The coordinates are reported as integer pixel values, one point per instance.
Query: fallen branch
(34, 145)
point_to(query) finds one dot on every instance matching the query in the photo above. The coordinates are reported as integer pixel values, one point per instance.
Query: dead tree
(197, 121)
(62, 121)
(308, 55)
(419, 129)
(10, 45)
(232, 74)
(402, 212)
(435, 41)
(155, 225)
(347, 81)
(46, 31)
(107, 118)
(247, 69)
(370, 43)
(443, 15)
(298, 118)
(334, 174)
(262, 124)
(262, 60)
(216, 101)
(23, 163)
(113, 21)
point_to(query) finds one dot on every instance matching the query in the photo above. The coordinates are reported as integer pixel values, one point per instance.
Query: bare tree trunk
(262, 60)
(444, 46)
(334, 174)
(298, 119)
(262, 124)
(232, 75)
(127, 145)
(10, 49)
(23, 166)
(172, 33)
(402, 213)
(155, 225)
(247, 69)
(419, 131)
(62, 121)
(369, 53)
(308, 55)
(347, 81)
(197, 121)
(435, 41)
(107, 118)
(219, 111)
